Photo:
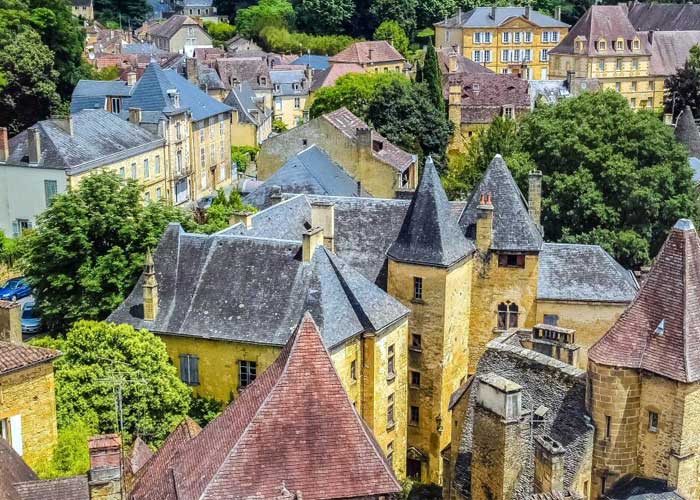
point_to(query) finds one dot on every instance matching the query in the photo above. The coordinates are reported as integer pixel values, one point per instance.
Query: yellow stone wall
(384, 67)
(591, 320)
(213, 170)
(538, 66)
(458, 415)
(243, 134)
(284, 109)
(441, 318)
(491, 286)
(31, 394)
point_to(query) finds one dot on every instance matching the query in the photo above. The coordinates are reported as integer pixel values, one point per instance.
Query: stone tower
(150, 289)
(430, 272)
(644, 377)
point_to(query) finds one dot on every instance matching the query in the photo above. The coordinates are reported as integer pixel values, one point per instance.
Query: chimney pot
(534, 194)
(242, 216)
(10, 321)
(34, 145)
(323, 216)
(311, 239)
(452, 62)
(131, 78)
(4, 144)
(135, 116)
(484, 223)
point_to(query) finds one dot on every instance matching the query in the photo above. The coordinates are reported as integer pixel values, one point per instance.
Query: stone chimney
(191, 70)
(493, 12)
(66, 124)
(131, 78)
(34, 145)
(4, 144)
(105, 475)
(527, 12)
(369, 54)
(364, 137)
(455, 104)
(310, 240)
(497, 457)
(534, 196)
(135, 116)
(323, 216)
(484, 223)
(557, 13)
(150, 289)
(245, 217)
(452, 62)
(10, 321)
(549, 465)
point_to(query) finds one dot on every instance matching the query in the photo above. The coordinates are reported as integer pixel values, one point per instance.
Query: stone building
(251, 121)
(292, 434)
(290, 92)
(179, 33)
(83, 9)
(378, 165)
(373, 57)
(27, 392)
(644, 378)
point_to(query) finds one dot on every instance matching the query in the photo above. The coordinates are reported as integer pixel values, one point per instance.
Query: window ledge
(415, 349)
(413, 424)
(417, 301)
(391, 426)
(353, 381)
(411, 386)
(391, 377)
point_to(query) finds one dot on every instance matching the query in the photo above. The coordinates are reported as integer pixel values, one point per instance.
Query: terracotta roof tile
(140, 454)
(484, 95)
(660, 331)
(68, 488)
(330, 75)
(359, 53)
(18, 356)
(293, 429)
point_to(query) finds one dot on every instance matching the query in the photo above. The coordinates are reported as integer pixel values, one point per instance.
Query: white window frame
(476, 56)
(516, 37)
(544, 55)
(146, 169)
(477, 37)
(505, 37)
(528, 37)
(505, 55)
(157, 164)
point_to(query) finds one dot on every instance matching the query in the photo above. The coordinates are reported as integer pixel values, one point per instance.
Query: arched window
(507, 315)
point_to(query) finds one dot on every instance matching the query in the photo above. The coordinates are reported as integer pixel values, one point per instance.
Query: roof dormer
(580, 44)
(636, 44)
(619, 44)
(602, 45)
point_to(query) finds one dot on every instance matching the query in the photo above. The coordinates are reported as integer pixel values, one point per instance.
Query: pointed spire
(430, 234)
(660, 331)
(687, 132)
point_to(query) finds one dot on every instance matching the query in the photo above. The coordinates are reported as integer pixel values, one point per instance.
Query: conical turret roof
(430, 234)
(687, 132)
(660, 331)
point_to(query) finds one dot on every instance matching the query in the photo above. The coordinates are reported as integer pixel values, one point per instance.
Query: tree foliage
(203, 410)
(401, 11)
(93, 352)
(123, 13)
(324, 17)
(392, 31)
(218, 215)
(88, 249)
(432, 76)
(683, 88)
(267, 13)
(220, 32)
(354, 91)
(71, 456)
(281, 40)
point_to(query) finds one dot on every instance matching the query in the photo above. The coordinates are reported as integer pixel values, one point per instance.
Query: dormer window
(635, 44)
(276, 87)
(174, 96)
(262, 80)
(619, 44)
(660, 329)
(602, 45)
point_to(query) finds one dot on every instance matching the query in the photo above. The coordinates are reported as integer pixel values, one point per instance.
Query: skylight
(661, 328)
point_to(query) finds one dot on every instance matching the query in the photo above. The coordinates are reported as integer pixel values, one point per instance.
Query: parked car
(31, 323)
(14, 289)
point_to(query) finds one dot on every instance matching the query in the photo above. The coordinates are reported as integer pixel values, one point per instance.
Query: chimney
(527, 12)
(150, 289)
(484, 223)
(557, 13)
(369, 54)
(311, 239)
(66, 124)
(359, 188)
(135, 116)
(105, 476)
(323, 216)
(10, 321)
(308, 73)
(131, 78)
(534, 196)
(4, 144)
(452, 62)
(275, 196)
(191, 69)
(242, 216)
(549, 465)
(493, 12)
(455, 104)
(498, 444)
(34, 145)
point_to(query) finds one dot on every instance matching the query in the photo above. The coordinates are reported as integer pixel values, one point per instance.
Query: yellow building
(504, 39)
(83, 9)
(27, 391)
(251, 120)
(377, 56)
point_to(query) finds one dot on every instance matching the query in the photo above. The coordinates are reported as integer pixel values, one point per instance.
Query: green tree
(203, 410)
(392, 31)
(30, 92)
(401, 11)
(218, 215)
(281, 40)
(683, 88)
(88, 249)
(278, 126)
(154, 400)
(612, 176)
(431, 75)
(123, 12)
(275, 13)
(108, 73)
(432, 11)
(220, 32)
(324, 16)
(354, 91)
(71, 456)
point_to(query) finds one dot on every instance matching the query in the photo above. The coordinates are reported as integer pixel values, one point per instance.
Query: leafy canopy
(683, 88)
(392, 31)
(220, 32)
(154, 401)
(88, 249)
(277, 13)
(324, 17)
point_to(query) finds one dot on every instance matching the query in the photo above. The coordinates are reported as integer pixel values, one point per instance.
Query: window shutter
(502, 260)
(16, 433)
(183, 367)
(521, 261)
(194, 370)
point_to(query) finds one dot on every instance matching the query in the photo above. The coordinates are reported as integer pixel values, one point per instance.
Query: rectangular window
(528, 37)
(146, 170)
(247, 371)
(417, 288)
(511, 260)
(515, 55)
(477, 37)
(528, 55)
(390, 453)
(212, 156)
(133, 170)
(157, 164)
(618, 64)
(651, 85)
(618, 86)
(508, 112)
(554, 36)
(633, 103)
(203, 179)
(178, 131)
(201, 134)
(222, 152)
(147, 197)
(505, 55)
(544, 55)
(487, 37)
(416, 342)
(122, 173)
(634, 86)
(601, 66)
(414, 417)
(635, 64)
(297, 103)
(390, 411)
(159, 194)
(203, 157)
(476, 56)
(391, 373)
(116, 105)
(608, 426)
(516, 37)
(11, 431)
(545, 37)
(5, 430)
(653, 422)
(487, 56)
(551, 319)
(505, 37)
(221, 128)
(415, 378)
(189, 369)
(222, 172)
(50, 190)
(353, 370)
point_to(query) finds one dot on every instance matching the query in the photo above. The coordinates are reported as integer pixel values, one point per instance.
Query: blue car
(31, 323)
(14, 289)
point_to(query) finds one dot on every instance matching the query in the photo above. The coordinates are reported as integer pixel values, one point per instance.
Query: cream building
(377, 56)
(290, 92)
(180, 34)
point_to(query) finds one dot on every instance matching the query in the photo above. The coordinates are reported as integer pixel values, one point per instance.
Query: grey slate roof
(243, 98)
(664, 17)
(687, 132)
(285, 80)
(480, 17)
(317, 63)
(256, 290)
(429, 234)
(310, 171)
(90, 94)
(173, 25)
(141, 48)
(97, 134)
(209, 77)
(582, 273)
(513, 228)
(638, 488)
(67, 488)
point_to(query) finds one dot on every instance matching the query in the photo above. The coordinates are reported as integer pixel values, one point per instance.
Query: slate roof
(317, 63)
(310, 171)
(284, 80)
(429, 234)
(15, 357)
(664, 17)
(348, 123)
(582, 273)
(253, 70)
(668, 301)
(90, 94)
(464, 64)
(480, 17)
(172, 26)
(97, 137)
(281, 435)
(210, 78)
(484, 95)
(561, 388)
(687, 132)
(243, 98)
(330, 75)
(513, 228)
(638, 488)
(140, 48)
(253, 289)
(670, 50)
(359, 53)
